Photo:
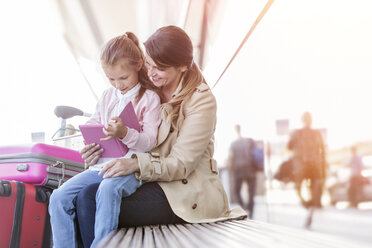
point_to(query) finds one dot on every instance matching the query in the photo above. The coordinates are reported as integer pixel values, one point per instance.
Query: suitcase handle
(5, 188)
(62, 165)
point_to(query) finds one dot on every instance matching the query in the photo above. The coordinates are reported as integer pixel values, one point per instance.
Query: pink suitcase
(39, 164)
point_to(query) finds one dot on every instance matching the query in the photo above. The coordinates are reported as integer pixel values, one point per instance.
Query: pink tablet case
(113, 148)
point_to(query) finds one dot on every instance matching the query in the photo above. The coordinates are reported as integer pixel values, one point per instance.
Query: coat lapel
(165, 125)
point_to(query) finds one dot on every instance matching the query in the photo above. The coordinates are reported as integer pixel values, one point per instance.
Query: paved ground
(281, 206)
(350, 223)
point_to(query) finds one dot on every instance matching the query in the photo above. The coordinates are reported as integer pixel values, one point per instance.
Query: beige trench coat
(183, 164)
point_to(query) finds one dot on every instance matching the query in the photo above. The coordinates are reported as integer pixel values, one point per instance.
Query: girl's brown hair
(170, 46)
(127, 46)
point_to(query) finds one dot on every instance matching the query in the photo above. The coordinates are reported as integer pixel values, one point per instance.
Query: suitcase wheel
(42, 195)
(5, 188)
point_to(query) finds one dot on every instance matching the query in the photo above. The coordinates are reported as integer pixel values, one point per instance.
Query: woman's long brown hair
(170, 46)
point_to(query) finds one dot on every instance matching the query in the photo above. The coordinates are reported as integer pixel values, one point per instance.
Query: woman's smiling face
(167, 77)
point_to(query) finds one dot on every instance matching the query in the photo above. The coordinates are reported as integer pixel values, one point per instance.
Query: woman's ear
(183, 68)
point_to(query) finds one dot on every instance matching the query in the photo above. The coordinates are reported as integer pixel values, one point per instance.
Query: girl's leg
(108, 199)
(147, 206)
(62, 208)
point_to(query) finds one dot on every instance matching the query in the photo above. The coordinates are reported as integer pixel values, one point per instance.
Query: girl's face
(122, 75)
(168, 77)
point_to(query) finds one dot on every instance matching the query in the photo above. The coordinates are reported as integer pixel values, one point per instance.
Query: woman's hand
(115, 129)
(91, 153)
(120, 167)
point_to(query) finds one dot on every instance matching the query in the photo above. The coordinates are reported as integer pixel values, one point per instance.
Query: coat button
(184, 181)
(194, 206)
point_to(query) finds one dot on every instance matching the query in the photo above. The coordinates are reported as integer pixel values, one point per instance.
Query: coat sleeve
(194, 135)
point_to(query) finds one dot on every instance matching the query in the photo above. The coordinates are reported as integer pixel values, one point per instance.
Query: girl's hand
(115, 129)
(91, 153)
(120, 167)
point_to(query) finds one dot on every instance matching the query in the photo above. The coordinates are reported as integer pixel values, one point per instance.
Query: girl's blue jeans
(147, 206)
(108, 199)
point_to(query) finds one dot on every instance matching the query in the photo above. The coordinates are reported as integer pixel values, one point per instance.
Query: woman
(181, 176)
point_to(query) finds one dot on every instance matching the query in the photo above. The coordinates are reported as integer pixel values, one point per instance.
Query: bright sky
(37, 72)
(304, 55)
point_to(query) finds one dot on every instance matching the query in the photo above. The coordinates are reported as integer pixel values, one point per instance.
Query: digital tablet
(112, 148)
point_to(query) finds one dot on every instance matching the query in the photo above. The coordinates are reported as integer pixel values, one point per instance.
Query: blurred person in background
(356, 180)
(309, 160)
(242, 169)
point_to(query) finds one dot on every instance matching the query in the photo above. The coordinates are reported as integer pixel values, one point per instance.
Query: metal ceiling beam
(203, 34)
(85, 5)
(258, 19)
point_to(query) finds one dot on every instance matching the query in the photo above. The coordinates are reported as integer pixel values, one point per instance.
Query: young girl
(123, 63)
